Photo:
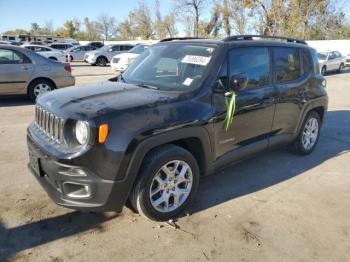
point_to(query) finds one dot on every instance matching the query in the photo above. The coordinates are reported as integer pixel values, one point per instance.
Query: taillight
(68, 68)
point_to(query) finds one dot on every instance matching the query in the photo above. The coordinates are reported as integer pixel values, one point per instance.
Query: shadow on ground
(30, 235)
(245, 178)
(15, 100)
(273, 167)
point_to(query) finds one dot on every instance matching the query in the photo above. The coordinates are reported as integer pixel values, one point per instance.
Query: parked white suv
(104, 55)
(47, 52)
(121, 61)
(331, 61)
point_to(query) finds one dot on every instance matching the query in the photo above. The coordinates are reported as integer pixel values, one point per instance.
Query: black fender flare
(140, 151)
(321, 102)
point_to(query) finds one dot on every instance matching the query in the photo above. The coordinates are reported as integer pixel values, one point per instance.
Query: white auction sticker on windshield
(196, 60)
(188, 81)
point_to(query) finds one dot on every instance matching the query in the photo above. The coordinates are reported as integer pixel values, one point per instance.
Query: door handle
(25, 68)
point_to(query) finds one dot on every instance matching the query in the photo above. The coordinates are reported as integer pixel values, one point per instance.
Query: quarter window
(252, 61)
(287, 64)
(306, 61)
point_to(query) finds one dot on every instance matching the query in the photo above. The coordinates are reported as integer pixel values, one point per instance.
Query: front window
(170, 67)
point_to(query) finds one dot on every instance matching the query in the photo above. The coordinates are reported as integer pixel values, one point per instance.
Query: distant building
(46, 39)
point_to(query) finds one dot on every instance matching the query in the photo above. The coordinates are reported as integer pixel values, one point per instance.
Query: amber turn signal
(102, 133)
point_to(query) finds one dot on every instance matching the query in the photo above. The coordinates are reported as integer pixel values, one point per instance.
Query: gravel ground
(274, 207)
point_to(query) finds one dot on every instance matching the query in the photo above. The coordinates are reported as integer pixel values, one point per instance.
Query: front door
(15, 71)
(252, 121)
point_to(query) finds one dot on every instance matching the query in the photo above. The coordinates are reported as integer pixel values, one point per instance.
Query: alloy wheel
(171, 186)
(41, 89)
(310, 133)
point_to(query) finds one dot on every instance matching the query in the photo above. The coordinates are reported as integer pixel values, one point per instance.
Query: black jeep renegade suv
(148, 135)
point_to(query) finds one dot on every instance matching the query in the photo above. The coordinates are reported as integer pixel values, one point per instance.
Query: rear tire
(324, 70)
(308, 135)
(39, 87)
(167, 183)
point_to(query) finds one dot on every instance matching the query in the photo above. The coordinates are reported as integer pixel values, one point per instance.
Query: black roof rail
(179, 38)
(250, 37)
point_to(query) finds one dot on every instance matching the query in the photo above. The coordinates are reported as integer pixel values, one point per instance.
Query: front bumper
(119, 67)
(91, 59)
(74, 186)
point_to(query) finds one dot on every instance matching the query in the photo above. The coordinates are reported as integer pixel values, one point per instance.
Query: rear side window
(287, 64)
(12, 57)
(307, 61)
(252, 61)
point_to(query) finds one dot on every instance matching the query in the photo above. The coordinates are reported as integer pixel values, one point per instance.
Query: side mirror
(238, 82)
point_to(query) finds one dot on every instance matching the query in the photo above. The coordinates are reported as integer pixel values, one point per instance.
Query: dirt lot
(274, 207)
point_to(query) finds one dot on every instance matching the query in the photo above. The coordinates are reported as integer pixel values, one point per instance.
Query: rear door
(332, 63)
(255, 106)
(291, 87)
(15, 71)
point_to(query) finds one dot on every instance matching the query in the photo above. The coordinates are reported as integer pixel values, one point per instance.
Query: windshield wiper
(122, 78)
(147, 86)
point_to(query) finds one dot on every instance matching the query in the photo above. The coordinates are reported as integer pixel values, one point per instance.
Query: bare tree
(106, 25)
(193, 9)
(164, 26)
(142, 19)
(48, 27)
(126, 29)
(91, 30)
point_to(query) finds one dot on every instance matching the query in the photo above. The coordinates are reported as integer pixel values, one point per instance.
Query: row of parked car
(119, 56)
(34, 73)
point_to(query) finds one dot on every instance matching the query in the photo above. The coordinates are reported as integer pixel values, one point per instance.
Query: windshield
(138, 49)
(322, 56)
(170, 67)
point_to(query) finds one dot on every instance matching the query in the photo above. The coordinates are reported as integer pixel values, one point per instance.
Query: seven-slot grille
(49, 124)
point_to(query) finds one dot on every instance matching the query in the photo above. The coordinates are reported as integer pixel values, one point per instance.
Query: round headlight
(82, 132)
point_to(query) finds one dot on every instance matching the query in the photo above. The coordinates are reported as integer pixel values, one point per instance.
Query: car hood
(98, 100)
(126, 55)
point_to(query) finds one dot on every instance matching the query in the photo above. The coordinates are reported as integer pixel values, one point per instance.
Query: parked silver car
(331, 61)
(77, 53)
(23, 71)
(104, 55)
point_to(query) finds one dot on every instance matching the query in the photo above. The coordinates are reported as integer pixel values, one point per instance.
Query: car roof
(231, 41)
(36, 45)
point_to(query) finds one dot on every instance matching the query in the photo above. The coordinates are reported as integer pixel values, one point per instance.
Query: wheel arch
(320, 107)
(41, 78)
(188, 138)
(103, 56)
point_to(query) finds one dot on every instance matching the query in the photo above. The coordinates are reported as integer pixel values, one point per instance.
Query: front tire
(308, 135)
(39, 87)
(324, 70)
(101, 61)
(167, 183)
(341, 68)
